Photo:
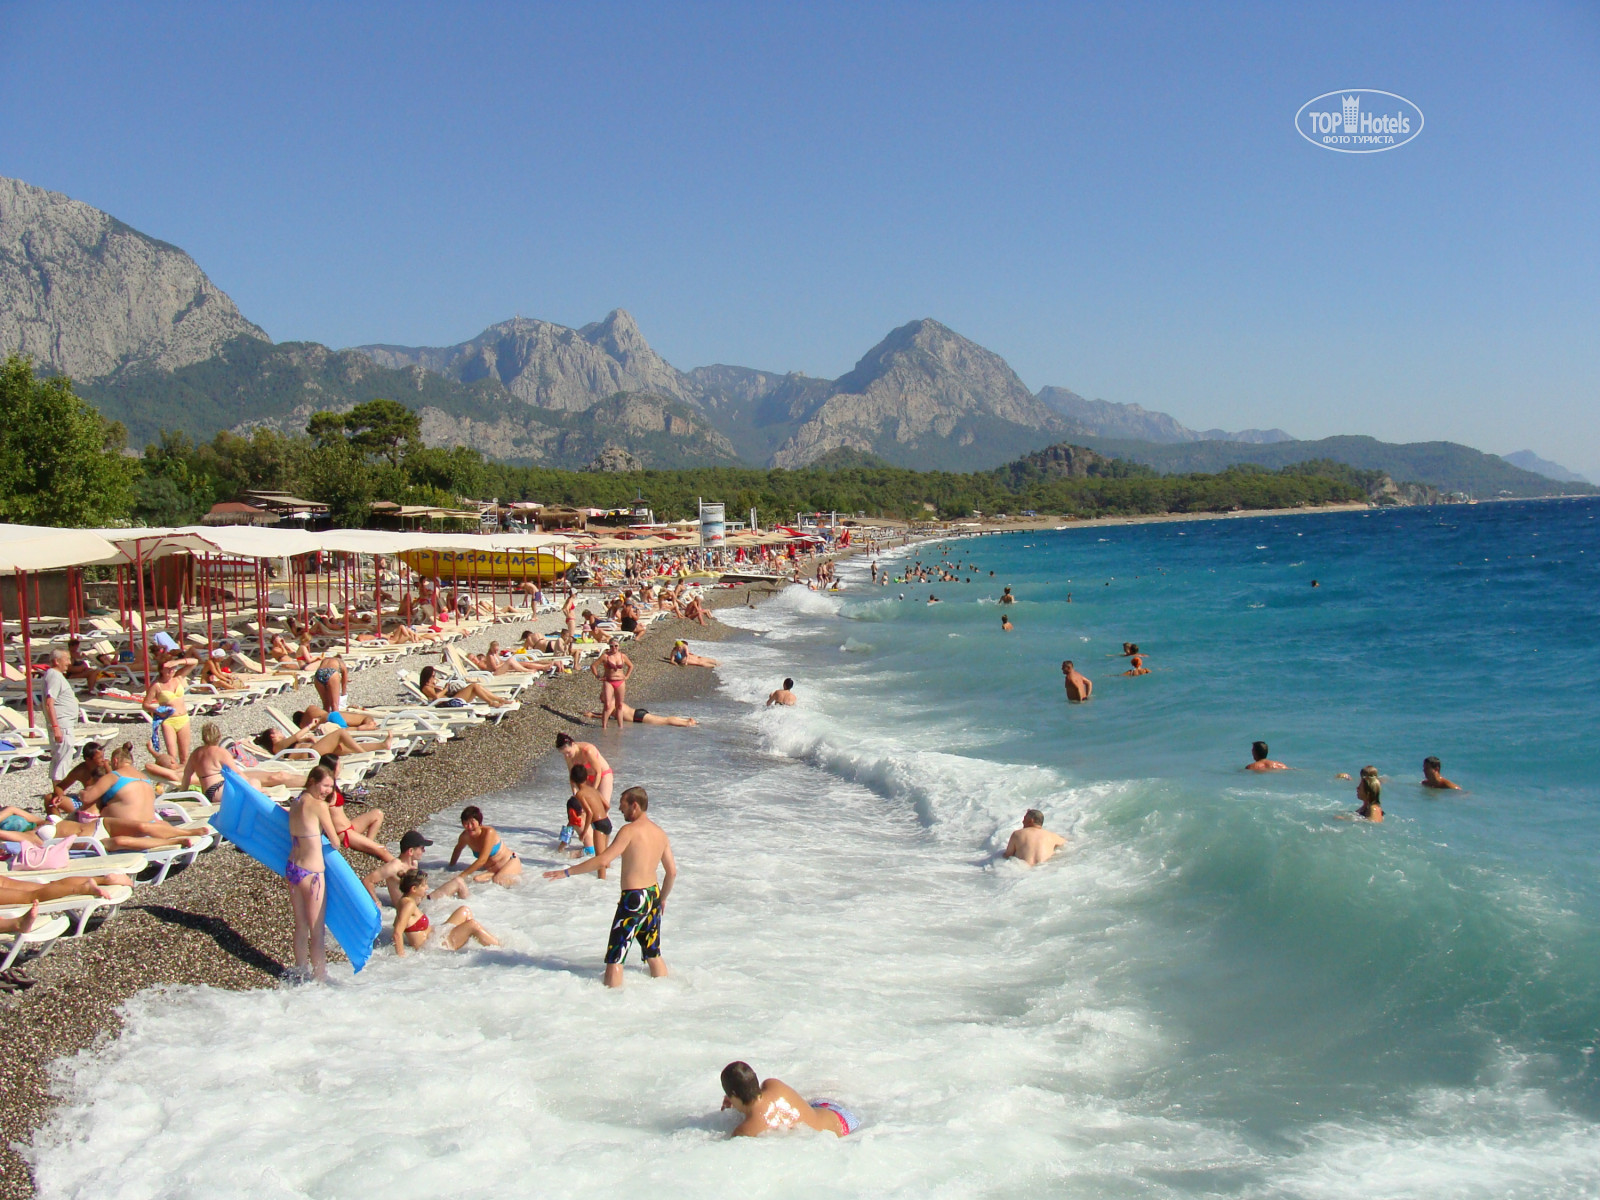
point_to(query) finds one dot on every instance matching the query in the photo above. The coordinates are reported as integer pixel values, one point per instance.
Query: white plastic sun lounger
(41, 937)
(78, 909)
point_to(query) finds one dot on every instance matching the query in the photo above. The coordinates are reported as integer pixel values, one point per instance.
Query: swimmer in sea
(411, 925)
(1431, 778)
(1370, 792)
(1005, 623)
(772, 1104)
(1138, 667)
(1260, 761)
(932, 599)
(1007, 598)
(1033, 843)
(783, 695)
(1079, 687)
(493, 861)
(1129, 649)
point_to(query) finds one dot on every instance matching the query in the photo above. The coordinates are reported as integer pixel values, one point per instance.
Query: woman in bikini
(355, 833)
(569, 613)
(470, 693)
(306, 872)
(493, 861)
(206, 763)
(681, 657)
(127, 805)
(163, 700)
(411, 925)
(331, 680)
(334, 741)
(612, 669)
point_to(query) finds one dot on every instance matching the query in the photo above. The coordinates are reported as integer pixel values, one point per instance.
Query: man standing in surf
(644, 849)
(1079, 686)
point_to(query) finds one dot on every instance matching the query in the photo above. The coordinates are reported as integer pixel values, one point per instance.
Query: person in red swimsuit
(412, 927)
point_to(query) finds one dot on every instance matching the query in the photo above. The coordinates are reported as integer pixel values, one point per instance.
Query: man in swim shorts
(783, 695)
(769, 1104)
(1431, 766)
(600, 774)
(643, 716)
(644, 848)
(1033, 843)
(1260, 761)
(1079, 687)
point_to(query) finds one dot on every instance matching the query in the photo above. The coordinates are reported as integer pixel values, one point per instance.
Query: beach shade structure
(261, 829)
(26, 549)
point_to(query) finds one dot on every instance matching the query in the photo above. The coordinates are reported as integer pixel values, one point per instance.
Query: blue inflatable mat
(261, 829)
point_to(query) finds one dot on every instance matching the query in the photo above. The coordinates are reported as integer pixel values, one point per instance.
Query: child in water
(411, 925)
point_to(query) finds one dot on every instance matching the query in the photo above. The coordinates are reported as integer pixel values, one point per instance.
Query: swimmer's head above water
(1258, 750)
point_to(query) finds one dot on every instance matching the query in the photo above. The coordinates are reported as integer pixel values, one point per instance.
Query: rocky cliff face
(87, 296)
(926, 395)
(1101, 418)
(551, 366)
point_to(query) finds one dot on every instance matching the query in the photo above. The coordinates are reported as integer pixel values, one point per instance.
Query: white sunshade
(43, 548)
(250, 541)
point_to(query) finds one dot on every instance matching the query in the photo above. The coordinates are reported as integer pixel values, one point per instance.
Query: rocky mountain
(1446, 466)
(1105, 419)
(551, 366)
(87, 296)
(1529, 461)
(926, 396)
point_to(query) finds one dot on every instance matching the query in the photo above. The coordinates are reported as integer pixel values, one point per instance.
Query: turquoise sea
(1219, 988)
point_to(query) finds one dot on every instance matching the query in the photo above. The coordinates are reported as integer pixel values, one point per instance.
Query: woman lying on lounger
(338, 741)
(205, 766)
(467, 693)
(127, 806)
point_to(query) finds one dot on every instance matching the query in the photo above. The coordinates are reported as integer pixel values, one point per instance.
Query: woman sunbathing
(338, 741)
(493, 861)
(206, 763)
(23, 891)
(411, 925)
(468, 693)
(682, 658)
(127, 806)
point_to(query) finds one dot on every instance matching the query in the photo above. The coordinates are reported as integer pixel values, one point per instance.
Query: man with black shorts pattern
(644, 849)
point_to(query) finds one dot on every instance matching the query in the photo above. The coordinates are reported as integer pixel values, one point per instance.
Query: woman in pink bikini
(306, 872)
(612, 669)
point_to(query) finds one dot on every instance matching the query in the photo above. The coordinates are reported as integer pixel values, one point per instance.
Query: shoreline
(223, 921)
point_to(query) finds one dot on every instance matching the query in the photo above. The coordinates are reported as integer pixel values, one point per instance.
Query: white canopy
(249, 541)
(43, 548)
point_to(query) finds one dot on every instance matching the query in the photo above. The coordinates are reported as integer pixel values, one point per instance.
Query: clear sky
(1112, 197)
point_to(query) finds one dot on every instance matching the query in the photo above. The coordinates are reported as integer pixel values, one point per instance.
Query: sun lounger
(37, 940)
(96, 864)
(78, 910)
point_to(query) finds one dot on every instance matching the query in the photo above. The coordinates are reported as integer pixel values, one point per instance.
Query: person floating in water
(1033, 843)
(769, 1104)
(783, 695)
(1138, 667)
(1129, 649)
(1260, 761)
(1005, 623)
(1431, 777)
(1079, 687)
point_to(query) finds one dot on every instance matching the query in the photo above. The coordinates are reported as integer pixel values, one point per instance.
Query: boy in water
(594, 814)
(772, 1104)
(1260, 761)
(1431, 766)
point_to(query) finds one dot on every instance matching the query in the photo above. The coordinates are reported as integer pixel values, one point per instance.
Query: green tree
(59, 461)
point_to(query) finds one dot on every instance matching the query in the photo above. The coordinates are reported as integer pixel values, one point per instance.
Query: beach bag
(53, 857)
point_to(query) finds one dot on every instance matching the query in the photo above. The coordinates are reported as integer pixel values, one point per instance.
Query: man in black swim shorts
(644, 849)
(639, 714)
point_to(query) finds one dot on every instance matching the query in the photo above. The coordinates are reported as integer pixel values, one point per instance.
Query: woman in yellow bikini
(163, 700)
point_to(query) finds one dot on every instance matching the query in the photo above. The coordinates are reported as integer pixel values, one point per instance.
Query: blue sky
(1112, 197)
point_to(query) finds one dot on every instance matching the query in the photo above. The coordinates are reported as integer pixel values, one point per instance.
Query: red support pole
(27, 641)
(144, 625)
(261, 607)
(205, 573)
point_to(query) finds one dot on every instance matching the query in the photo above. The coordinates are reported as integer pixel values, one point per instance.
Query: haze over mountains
(149, 339)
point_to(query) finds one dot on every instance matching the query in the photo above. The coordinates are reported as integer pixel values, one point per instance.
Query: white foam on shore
(840, 921)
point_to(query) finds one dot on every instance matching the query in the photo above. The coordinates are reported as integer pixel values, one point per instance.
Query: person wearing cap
(388, 874)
